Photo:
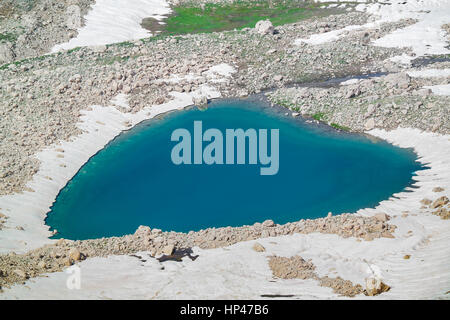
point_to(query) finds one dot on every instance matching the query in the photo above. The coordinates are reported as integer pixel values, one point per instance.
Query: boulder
(383, 217)
(369, 125)
(278, 78)
(75, 255)
(400, 80)
(370, 110)
(439, 202)
(424, 92)
(6, 53)
(258, 247)
(264, 27)
(443, 213)
(68, 262)
(20, 273)
(157, 231)
(374, 286)
(200, 101)
(168, 250)
(73, 14)
(268, 223)
(143, 231)
(98, 48)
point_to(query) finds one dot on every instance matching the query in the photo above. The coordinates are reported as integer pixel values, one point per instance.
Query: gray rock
(383, 217)
(75, 254)
(268, 223)
(369, 125)
(169, 249)
(258, 247)
(98, 49)
(264, 27)
(73, 14)
(424, 92)
(6, 53)
(20, 273)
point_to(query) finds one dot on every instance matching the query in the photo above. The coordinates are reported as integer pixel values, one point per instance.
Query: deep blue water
(133, 181)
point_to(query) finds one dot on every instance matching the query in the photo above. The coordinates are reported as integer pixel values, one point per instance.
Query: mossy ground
(8, 37)
(238, 15)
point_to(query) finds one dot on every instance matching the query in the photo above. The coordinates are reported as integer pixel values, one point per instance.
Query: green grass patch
(125, 44)
(113, 59)
(18, 63)
(339, 127)
(73, 50)
(238, 15)
(319, 116)
(8, 37)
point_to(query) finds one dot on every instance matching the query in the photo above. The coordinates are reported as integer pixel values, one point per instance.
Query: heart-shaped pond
(133, 180)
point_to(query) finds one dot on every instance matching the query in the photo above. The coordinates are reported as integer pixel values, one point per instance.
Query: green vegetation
(73, 50)
(9, 37)
(339, 127)
(319, 116)
(113, 59)
(24, 61)
(238, 15)
(125, 44)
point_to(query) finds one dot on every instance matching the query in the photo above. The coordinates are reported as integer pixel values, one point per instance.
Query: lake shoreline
(129, 153)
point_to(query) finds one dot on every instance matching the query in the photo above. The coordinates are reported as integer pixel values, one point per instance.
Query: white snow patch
(220, 73)
(350, 82)
(440, 89)
(330, 36)
(424, 37)
(121, 100)
(111, 21)
(430, 73)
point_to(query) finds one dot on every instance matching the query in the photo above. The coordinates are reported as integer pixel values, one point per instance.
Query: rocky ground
(297, 268)
(440, 205)
(386, 101)
(32, 28)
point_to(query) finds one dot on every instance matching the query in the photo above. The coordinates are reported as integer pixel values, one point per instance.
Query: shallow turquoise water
(133, 181)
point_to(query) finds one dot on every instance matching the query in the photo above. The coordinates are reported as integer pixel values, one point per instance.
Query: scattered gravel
(387, 101)
(32, 28)
(297, 268)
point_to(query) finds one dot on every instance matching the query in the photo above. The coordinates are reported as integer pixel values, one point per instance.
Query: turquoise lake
(133, 181)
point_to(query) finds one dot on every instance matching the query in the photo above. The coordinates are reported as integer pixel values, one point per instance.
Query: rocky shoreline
(387, 102)
(17, 268)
